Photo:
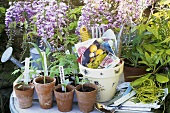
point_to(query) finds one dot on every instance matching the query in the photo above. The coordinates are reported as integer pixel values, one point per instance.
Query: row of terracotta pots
(64, 100)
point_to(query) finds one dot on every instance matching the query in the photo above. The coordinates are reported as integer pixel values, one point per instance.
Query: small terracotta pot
(132, 71)
(86, 100)
(24, 95)
(45, 91)
(64, 99)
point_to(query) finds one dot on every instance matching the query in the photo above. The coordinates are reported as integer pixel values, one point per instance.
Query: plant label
(61, 69)
(26, 73)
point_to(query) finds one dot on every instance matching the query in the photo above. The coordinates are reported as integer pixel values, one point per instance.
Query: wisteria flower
(49, 16)
(111, 14)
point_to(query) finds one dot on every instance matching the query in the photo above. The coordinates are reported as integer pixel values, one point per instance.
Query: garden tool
(97, 31)
(7, 55)
(84, 33)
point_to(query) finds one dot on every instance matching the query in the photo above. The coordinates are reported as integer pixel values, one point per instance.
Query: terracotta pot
(24, 95)
(64, 99)
(86, 100)
(132, 71)
(45, 91)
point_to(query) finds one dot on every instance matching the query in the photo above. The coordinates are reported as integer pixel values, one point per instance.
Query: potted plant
(44, 84)
(24, 90)
(155, 54)
(64, 99)
(131, 56)
(24, 93)
(132, 40)
(69, 63)
(86, 95)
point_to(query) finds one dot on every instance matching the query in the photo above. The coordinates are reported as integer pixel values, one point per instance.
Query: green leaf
(150, 48)
(2, 9)
(39, 51)
(161, 78)
(148, 58)
(16, 71)
(163, 2)
(168, 51)
(138, 81)
(141, 28)
(148, 69)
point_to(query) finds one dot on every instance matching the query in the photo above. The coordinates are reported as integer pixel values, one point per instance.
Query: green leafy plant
(66, 82)
(155, 53)
(2, 16)
(129, 50)
(43, 60)
(73, 15)
(68, 61)
(81, 82)
(21, 72)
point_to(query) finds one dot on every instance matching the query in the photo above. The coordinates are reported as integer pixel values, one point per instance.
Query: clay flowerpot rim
(30, 86)
(34, 80)
(59, 85)
(96, 88)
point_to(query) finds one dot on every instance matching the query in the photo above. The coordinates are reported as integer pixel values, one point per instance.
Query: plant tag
(26, 72)
(62, 76)
(125, 98)
(45, 64)
(127, 90)
(67, 52)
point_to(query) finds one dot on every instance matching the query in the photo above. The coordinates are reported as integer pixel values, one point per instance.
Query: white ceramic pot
(106, 80)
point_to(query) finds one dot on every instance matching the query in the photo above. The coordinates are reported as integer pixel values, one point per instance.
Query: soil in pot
(24, 94)
(86, 89)
(86, 100)
(64, 99)
(45, 91)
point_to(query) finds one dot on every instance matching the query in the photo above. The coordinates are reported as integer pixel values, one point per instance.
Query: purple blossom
(16, 13)
(98, 12)
(49, 16)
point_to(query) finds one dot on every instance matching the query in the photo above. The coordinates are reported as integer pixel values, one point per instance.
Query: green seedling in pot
(66, 82)
(26, 74)
(82, 82)
(43, 57)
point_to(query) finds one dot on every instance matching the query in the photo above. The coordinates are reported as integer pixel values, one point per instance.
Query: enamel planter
(106, 80)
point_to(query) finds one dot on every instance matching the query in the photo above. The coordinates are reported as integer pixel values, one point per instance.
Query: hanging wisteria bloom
(97, 13)
(111, 13)
(19, 14)
(49, 16)
(130, 10)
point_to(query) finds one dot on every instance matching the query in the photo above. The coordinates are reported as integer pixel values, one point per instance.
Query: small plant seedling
(21, 76)
(66, 82)
(43, 57)
(82, 82)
